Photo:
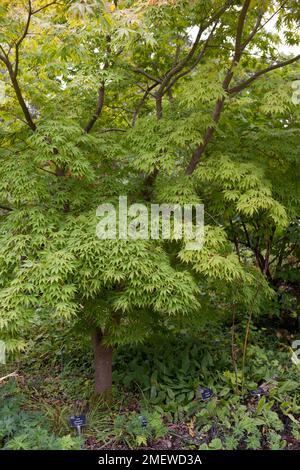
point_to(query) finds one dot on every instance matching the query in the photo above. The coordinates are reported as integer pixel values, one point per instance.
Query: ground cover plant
(157, 402)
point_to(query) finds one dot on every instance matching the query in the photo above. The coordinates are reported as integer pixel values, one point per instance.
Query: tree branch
(13, 71)
(220, 102)
(207, 137)
(112, 129)
(166, 82)
(101, 91)
(256, 27)
(31, 12)
(239, 33)
(4, 57)
(55, 2)
(239, 87)
(180, 65)
(5, 208)
(98, 109)
(196, 62)
(147, 75)
(273, 15)
(141, 103)
(47, 171)
(19, 95)
(239, 48)
(21, 39)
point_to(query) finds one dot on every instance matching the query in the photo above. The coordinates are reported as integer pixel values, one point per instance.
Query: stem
(245, 349)
(207, 137)
(233, 348)
(102, 364)
(246, 343)
(19, 96)
(98, 110)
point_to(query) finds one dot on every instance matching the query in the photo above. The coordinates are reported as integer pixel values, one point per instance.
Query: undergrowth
(157, 403)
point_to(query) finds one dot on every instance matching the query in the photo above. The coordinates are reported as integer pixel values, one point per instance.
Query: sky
(283, 48)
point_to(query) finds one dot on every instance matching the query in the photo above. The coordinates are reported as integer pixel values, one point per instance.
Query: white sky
(283, 48)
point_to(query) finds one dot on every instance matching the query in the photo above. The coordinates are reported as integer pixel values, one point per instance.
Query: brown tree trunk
(158, 103)
(102, 364)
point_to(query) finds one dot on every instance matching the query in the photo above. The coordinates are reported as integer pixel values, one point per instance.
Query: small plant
(40, 439)
(137, 429)
(28, 430)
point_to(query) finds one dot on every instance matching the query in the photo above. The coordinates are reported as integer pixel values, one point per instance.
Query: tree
(104, 100)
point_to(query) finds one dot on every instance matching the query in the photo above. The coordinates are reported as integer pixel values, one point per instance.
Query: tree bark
(102, 364)
(100, 104)
(207, 138)
(158, 102)
(19, 96)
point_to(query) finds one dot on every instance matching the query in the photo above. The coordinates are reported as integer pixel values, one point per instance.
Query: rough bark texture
(102, 364)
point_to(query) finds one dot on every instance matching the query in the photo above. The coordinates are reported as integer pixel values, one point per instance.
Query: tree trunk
(102, 364)
(158, 102)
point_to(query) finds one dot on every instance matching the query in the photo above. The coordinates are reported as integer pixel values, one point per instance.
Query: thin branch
(246, 234)
(148, 88)
(101, 91)
(19, 95)
(14, 70)
(147, 75)
(5, 208)
(266, 261)
(255, 29)
(196, 62)
(218, 14)
(4, 57)
(113, 129)
(12, 374)
(45, 6)
(200, 149)
(21, 39)
(273, 15)
(47, 171)
(180, 65)
(184, 61)
(235, 239)
(176, 71)
(31, 12)
(238, 51)
(98, 109)
(207, 137)
(177, 52)
(141, 104)
(240, 86)
(239, 32)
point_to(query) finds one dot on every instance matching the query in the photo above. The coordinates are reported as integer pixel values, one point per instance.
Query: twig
(240, 86)
(12, 374)
(5, 208)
